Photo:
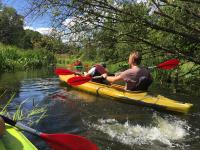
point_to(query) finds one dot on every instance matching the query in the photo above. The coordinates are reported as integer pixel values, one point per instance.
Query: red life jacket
(100, 69)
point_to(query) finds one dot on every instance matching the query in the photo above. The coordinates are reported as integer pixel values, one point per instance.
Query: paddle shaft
(152, 67)
(20, 126)
(97, 77)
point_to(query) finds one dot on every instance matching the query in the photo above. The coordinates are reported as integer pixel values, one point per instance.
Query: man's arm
(112, 78)
(90, 72)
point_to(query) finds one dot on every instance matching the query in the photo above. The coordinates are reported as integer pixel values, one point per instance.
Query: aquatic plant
(20, 113)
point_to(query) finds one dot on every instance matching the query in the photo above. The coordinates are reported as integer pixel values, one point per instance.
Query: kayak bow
(14, 139)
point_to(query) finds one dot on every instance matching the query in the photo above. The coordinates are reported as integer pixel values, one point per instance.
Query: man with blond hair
(136, 78)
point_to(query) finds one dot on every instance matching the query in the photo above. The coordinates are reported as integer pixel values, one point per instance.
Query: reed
(13, 58)
(20, 113)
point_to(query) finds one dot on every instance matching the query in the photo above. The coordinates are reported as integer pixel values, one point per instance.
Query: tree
(11, 25)
(30, 39)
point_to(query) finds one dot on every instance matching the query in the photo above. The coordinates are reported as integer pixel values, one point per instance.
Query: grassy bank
(64, 60)
(13, 58)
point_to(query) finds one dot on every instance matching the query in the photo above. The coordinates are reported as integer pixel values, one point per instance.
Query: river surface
(108, 123)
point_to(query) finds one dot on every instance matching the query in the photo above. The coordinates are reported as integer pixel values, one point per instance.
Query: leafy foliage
(11, 25)
(13, 33)
(12, 58)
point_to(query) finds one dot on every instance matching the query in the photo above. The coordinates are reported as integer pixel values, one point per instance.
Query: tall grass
(66, 61)
(20, 114)
(13, 58)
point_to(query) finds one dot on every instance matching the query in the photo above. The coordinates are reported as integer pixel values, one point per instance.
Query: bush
(12, 58)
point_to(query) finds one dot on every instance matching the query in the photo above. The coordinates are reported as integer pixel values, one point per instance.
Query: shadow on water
(108, 123)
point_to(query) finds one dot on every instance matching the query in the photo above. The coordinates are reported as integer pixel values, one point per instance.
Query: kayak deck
(14, 139)
(118, 93)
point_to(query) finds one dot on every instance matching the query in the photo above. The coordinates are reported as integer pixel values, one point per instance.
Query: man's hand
(104, 75)
(78, 73)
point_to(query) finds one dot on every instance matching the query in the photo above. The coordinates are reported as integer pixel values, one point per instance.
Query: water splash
(162, 130)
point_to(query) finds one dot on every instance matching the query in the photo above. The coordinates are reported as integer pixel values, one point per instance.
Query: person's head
(103, 64)
(134, 58)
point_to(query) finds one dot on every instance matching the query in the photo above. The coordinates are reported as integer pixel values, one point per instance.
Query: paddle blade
(78, 80)
(68, 142)
(170, 64)
(61, 71)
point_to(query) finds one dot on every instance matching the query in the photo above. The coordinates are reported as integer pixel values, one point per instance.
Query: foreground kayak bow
(57, 141)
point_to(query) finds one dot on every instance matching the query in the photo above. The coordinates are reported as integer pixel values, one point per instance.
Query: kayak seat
(143, 84)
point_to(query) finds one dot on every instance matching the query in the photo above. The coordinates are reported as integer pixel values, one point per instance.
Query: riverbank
(13, 58)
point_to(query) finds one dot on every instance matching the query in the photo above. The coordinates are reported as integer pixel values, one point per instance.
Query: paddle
(57, 141)
(78, 80)
(62, 71)
(167, 65)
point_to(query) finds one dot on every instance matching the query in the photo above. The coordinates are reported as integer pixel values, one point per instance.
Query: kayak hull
(118, 93)
(14, 139)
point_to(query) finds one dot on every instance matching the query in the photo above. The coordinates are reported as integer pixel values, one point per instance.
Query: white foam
(162, 130)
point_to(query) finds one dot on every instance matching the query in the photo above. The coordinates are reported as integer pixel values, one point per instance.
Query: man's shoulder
(127, 72)
(132, 70)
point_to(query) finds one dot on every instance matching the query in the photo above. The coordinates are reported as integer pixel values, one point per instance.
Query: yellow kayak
(13, 139)
(118, 93)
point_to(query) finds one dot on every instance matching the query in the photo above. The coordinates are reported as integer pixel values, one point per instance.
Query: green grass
(13, 58)
(64, 60)
(20, 114)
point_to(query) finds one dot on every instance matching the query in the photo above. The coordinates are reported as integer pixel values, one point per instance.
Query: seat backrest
(143, 83)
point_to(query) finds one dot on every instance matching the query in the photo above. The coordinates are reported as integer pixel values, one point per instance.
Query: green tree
(11, 26)
(50, 43)
(30, 38)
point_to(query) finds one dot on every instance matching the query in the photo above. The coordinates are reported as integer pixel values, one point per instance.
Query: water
(108, 123)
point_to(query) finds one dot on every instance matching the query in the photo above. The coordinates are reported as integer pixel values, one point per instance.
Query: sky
(41, 24)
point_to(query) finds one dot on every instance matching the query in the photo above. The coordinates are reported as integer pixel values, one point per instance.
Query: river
(110, 124)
